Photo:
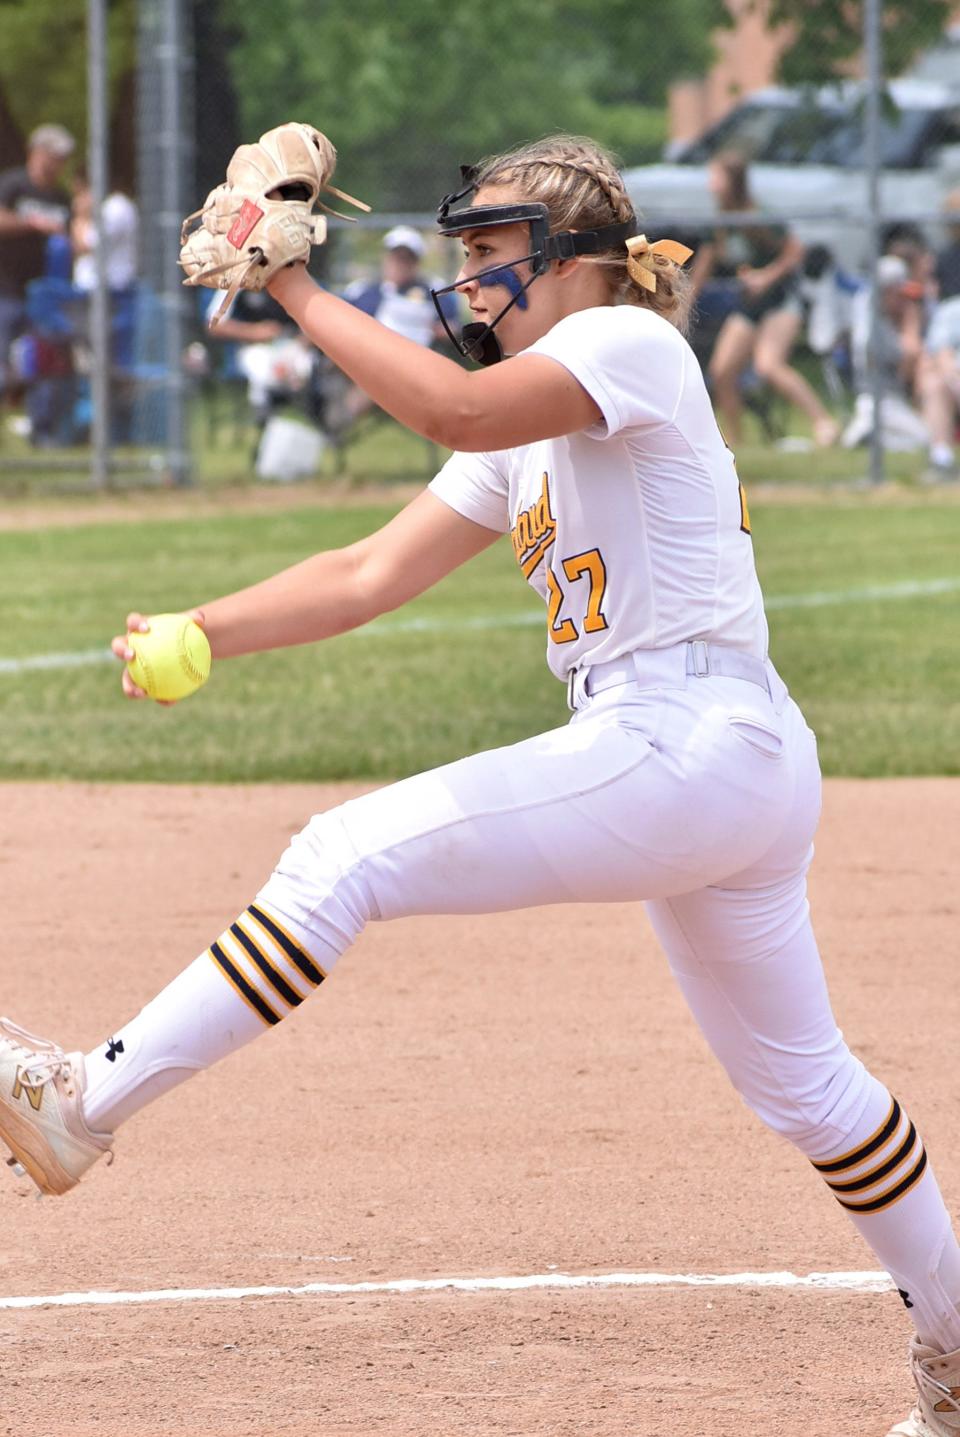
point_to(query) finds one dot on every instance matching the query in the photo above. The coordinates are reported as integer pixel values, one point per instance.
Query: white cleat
(41, 1111)
(937, 1375)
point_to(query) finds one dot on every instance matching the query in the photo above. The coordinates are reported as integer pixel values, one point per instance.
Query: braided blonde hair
(582, 188)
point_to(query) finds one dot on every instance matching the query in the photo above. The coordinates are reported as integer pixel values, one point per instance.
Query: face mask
(478, 341)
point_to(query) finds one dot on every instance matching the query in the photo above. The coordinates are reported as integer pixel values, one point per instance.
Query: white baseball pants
(700, 799)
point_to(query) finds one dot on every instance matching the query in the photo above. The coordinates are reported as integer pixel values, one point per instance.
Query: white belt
(665, 668)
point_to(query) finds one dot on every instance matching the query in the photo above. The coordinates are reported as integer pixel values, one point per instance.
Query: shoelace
(37, 1075)
(43, 1061)
(949, 1403)
(20, 1038)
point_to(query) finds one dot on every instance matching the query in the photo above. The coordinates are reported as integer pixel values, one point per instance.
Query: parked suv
(806, 154)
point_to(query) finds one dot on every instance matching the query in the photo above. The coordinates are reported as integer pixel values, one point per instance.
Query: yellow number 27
(590, 564)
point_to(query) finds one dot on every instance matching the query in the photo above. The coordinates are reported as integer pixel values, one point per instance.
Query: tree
(829, 35)
(11, 142)
(409, 89)
(217, 130)
(43, 59)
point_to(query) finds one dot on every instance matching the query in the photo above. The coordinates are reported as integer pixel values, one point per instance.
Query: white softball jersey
(635, 531)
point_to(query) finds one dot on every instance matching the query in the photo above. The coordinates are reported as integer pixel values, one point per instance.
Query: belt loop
(577, 687)
(700, 658)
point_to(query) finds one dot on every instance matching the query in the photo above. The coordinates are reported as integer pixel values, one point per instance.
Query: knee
(930, 386)
(721, 372)
(814, 1105)
(767, 367)
(322, 844)
(321, 876)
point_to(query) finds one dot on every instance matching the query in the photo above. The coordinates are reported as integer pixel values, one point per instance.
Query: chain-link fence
(825, 212)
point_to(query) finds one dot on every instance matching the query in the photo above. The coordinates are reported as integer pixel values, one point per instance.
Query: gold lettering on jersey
(534, 531)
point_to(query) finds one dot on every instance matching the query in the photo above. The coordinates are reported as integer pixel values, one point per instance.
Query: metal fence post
(170, 56)
(100, 298)
(873, 57)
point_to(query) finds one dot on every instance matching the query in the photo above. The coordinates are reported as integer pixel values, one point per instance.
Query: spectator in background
(269, 353)
(763, 327)
(120, 221)
(899, 353)
(939, 367)
(33, 206)
(948, 259)
(907, 241)
(399, 299)
(939, 387)
(281, 368)
(255, 318)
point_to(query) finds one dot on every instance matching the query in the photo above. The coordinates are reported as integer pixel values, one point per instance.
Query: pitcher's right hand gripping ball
(171, 659)
(262, 217)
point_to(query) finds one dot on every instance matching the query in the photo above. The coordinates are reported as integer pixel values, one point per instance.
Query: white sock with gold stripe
(255, 973)
(884, 1181)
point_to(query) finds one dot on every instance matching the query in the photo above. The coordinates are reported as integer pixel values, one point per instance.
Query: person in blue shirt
(399, 299)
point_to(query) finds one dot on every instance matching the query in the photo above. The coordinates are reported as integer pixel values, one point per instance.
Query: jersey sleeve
(629, 360)
(475, 487)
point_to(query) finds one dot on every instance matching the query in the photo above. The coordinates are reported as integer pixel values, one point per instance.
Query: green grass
(878, 678)
(223, 446)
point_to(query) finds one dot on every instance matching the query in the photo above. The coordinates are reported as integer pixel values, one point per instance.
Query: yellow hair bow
(641, 266)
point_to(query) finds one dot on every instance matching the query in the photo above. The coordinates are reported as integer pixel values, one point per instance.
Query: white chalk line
(856, 1282)
(908, 589)
(77, 660)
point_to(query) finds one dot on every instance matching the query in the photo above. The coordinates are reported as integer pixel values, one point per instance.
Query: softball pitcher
(686, 777)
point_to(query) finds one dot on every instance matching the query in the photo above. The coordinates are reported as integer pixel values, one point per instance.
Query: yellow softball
(172, 659)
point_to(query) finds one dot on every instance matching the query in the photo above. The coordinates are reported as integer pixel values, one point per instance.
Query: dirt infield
(476, 1098)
